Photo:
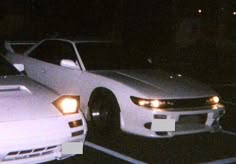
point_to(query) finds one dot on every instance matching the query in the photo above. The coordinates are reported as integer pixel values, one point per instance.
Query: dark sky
(169, 30)
(156, 21)
(94, 17)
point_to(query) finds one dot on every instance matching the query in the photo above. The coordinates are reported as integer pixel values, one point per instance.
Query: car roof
(80, 40)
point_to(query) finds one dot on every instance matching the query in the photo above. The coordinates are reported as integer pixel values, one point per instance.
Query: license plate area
(192, 119)
(72, 148)
(163, 125)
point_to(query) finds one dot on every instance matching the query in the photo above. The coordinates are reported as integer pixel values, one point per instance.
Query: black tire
(104, 111)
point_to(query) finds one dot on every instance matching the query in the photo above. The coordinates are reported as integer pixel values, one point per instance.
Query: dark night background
(173, 32)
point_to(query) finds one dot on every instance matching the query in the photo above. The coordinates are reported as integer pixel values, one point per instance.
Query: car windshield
(6, 68)
(108, 56)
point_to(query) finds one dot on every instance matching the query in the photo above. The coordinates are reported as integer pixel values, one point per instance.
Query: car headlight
(213, 100)
(68, 104)
(151, 103)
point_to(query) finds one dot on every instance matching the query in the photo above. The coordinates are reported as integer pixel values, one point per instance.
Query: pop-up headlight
(68, 104)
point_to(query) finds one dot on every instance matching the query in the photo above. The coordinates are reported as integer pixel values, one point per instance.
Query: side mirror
(19, 67)
(68, 63)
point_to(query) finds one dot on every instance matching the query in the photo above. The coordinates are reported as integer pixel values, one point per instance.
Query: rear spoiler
(12, 46)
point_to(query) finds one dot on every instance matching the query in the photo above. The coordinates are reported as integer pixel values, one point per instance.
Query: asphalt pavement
(198, 148)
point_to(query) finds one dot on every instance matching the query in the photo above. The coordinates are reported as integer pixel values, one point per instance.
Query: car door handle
(43, 70)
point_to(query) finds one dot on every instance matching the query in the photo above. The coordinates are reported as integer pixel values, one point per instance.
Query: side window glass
(53, 51)
(66, 51)
(39, 52)
(43, 51)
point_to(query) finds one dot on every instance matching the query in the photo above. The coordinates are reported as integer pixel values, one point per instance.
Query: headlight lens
(67, 104)
(175, 103)
(214, 100)
(153, 103)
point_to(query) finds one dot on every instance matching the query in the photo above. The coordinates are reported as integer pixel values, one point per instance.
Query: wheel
(104, 113)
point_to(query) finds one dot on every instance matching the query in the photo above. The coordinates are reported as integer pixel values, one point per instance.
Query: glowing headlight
(155, 103)
(143, 102)
(151, 103)
(67, 104)
(214, 100)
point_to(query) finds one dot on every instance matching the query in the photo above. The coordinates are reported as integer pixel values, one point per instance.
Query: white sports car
(34, 121)
(118, 91)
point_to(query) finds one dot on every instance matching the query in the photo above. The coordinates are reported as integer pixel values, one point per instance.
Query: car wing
(19, 47)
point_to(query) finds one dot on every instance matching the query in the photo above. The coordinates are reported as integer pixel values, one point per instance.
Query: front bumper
(195, 120)
(37, 141)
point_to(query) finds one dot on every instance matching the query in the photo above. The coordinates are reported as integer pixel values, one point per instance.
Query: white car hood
(159, 84)
(24, 99)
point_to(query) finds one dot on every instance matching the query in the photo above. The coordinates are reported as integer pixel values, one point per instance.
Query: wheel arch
(99, 91)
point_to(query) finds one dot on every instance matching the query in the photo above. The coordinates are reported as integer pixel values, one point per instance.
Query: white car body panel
(14, 86)
(36, 134)
(123, 83)
(30, 122)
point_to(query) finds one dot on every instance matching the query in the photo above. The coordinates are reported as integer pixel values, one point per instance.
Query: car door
(43, 65)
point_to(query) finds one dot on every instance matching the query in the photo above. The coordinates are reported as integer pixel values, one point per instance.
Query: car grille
(30, 153)
(192, 119)
(189, 104)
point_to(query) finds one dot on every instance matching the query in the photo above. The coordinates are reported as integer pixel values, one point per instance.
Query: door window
(53, 51)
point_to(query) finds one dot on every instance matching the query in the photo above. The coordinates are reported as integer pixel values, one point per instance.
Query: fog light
(148, 125)
(76, 123)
